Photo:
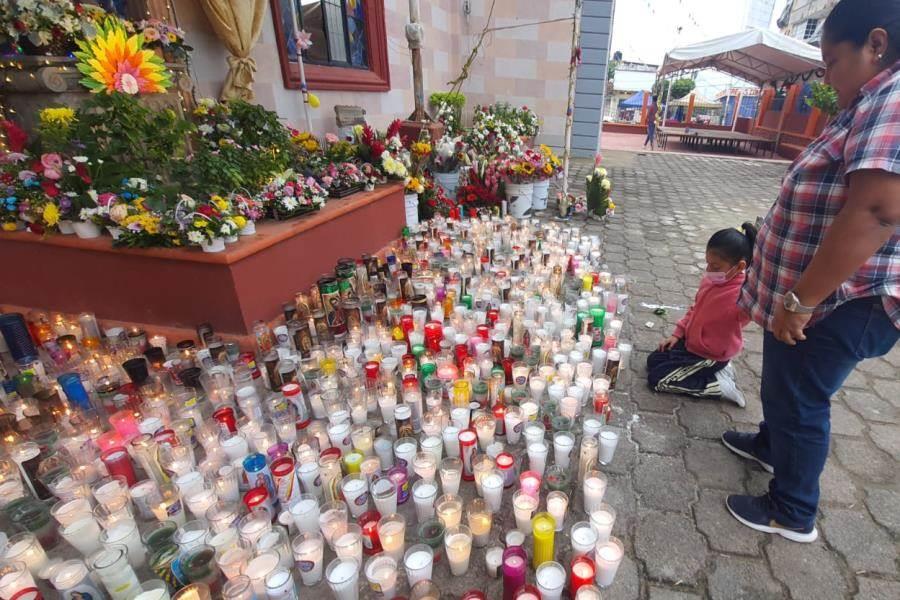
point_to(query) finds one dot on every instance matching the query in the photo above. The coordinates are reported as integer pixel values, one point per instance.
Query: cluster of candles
(421, 421)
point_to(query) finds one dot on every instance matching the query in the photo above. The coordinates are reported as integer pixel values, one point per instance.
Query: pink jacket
(712, 326)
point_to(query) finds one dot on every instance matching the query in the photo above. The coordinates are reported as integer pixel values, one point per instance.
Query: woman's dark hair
(852, 20)
(733, 245)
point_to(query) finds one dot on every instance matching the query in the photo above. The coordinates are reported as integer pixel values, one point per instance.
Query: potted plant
(413, 186)
(164, 37)
(249, 209)
(370, 175)
(518, 173)
(598, 187)
(549, 167)
(206, 227)
(449, 153)
(342, 179)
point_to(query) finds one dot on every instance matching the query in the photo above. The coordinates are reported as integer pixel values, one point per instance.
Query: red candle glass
(527, 592)
(583, 571)
(515, 563)
(368, 521)
(109, 440)
(507, 466)
(118, 462)
(500, 418)
(530, 483)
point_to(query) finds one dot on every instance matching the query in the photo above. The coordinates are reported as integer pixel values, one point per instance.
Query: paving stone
(844, 421)
(871, 407)
(888, 390)
(662, 482)
(856, 379)
(658, 434)
(661, 593)
(886, 437)
(670, 548)
(649, 400)
(745, 578)
(715, 466)
(878, 367)
(809, 571)
(864, 545)
(836, 485)
(863, 459)
(877, 589)
(885, 508)
(752, 413)
(724, 532)
(703, 419)
(625, 457)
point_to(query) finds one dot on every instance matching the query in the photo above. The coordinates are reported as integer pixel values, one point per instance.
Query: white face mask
(717, 277)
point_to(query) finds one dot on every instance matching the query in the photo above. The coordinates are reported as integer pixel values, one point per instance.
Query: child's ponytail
(733, 244)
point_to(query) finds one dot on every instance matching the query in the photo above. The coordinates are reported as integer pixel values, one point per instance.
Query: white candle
(26, 548)
(349, 544)
(583, 537)
(608, 441)
(356, 494)
(460, 417)
(305, 513)
(602, 521)
(258, 568)
(534, 432)
(419, 561)
(391, 534)
(451, 441)
(381, 571)
(449, 510)
(594, 489)
(235, 447)
(199, 502)
(425, 465)
(537, 456)
(308, 554)
(485, 427)
(69, 512)
(492, 488)
(493, 558)
(458, 542)
(232, 561)
(608, 556)
(557, 503)
(524, 506)
(424, 493)
(83, 534)
(384, 449)
(308, 473)
(159, 341)
(451, 473)
(591, 427)
(513, 422)
(126, 533)
(384, 492)
(563, 444)
(550, 577)
(435, 445)
(405, 451)
(342, 575)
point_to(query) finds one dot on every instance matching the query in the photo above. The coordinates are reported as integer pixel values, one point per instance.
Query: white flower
(205, 129)
(207, 102)
(92, 194)
(601, 171)
(70, 168)
(195, 237)
(80, 159)
(189, 202)
(138, 183)
(605, 184)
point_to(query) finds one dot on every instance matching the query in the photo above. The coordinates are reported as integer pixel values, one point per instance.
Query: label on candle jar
(306, 565)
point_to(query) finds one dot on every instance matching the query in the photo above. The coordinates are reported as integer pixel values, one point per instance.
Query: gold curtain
(237, 24)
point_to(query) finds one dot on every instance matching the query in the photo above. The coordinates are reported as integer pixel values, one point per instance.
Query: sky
(644, 30)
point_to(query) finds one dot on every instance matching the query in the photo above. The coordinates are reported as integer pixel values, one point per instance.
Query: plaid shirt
(864, 136)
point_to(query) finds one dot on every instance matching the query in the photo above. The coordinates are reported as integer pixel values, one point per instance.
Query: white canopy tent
(755, 55)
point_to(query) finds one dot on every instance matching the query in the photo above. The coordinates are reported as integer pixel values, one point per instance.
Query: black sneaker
(756, 513)
(744, 445)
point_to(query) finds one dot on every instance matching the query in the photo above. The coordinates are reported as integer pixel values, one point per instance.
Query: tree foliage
(681, 88)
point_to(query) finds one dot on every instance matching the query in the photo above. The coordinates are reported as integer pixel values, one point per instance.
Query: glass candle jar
(115, 573)
(381, 572)
(83, 534)
(391, 534)
(258, 568)
(458, 545)
(449, 509)
(479, 517)
(451, 474)
(308, 550)
(26, 548)
(342, 575)
(125, 533)
(16, 580)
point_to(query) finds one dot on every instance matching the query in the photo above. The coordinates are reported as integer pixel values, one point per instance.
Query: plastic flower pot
(249, 228)
(411, 201)
(214, 245)
(66, 228)
(518, 197)
(541, 190)
(86, 229)
(115, 232)
(231, 239)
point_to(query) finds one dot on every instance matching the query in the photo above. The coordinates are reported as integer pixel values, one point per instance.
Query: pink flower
(51, 160)
(327, 180)
(331, 138)
(52, 173)
(105, 199)
(303, 39)
(151, 34)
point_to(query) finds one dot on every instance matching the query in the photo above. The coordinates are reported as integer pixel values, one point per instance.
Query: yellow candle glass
(352, 460)
(543, 526)
(462, 393)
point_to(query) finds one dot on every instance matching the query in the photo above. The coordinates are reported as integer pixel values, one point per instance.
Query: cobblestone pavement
(671, 474)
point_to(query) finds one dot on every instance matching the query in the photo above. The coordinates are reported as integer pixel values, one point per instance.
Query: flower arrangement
(482, 186)
(491, 134)
(338, 178)
(550, 164)
(521, 168)
(210, 221)
(290, 194)
(414, 185)
(370, 143)
(523, 121)
(370, 174)
(162, 35)
(449, 153)
(114, 61)
(247, 207)
(432, 200)
(48, 26)
(338, 150)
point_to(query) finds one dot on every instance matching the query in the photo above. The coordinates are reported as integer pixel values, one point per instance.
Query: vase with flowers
(291, 194)
(518, 173)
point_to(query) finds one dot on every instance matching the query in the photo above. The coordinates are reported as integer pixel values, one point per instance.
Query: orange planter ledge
(180, 288)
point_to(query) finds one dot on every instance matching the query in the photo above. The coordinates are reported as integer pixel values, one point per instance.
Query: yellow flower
(172, 37)
(421, 148)
(311, 145)
(200, 223)
(51, 214)
(548, 168)
(239, 221)
(9, 226)
(201, 110)
(62, 117)
(151, 224)
(220, 203)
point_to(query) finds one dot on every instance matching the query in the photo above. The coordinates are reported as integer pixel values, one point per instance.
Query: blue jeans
(797, 385)
(651, 132)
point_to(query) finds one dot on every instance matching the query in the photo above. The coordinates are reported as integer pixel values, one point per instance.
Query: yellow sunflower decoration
(113, 61)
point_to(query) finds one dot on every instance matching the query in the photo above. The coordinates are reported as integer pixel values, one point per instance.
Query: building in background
(629, 79)
(802, 19)
(759, 14)
(749, 99)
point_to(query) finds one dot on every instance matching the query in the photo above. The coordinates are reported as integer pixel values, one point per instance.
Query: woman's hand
(787, 326)
(667, 343)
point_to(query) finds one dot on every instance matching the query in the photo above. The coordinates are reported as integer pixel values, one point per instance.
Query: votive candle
(458, 544)
(608, 556)
(557, 503)
(583, 538)
(602, 520)
(543, 527)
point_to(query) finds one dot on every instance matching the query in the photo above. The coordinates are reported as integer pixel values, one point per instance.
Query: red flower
(393, 129)
(19, 25)
(82, 172)
(50, 188)
(15, 136)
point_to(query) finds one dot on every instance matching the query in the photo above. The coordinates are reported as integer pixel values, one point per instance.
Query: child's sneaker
(729, 389)
(728, 369)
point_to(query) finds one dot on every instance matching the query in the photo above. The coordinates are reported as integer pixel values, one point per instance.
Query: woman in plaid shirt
(825, 276)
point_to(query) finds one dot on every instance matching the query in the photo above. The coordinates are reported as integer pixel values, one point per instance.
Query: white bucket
(86, 229)
(539, 197)
(216, 245)
(249, 228)
(411, 202)
(518, 196)
(448, 182)
(65, 227)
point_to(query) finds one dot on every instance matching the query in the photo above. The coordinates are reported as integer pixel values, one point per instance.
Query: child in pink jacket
(695, 359)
